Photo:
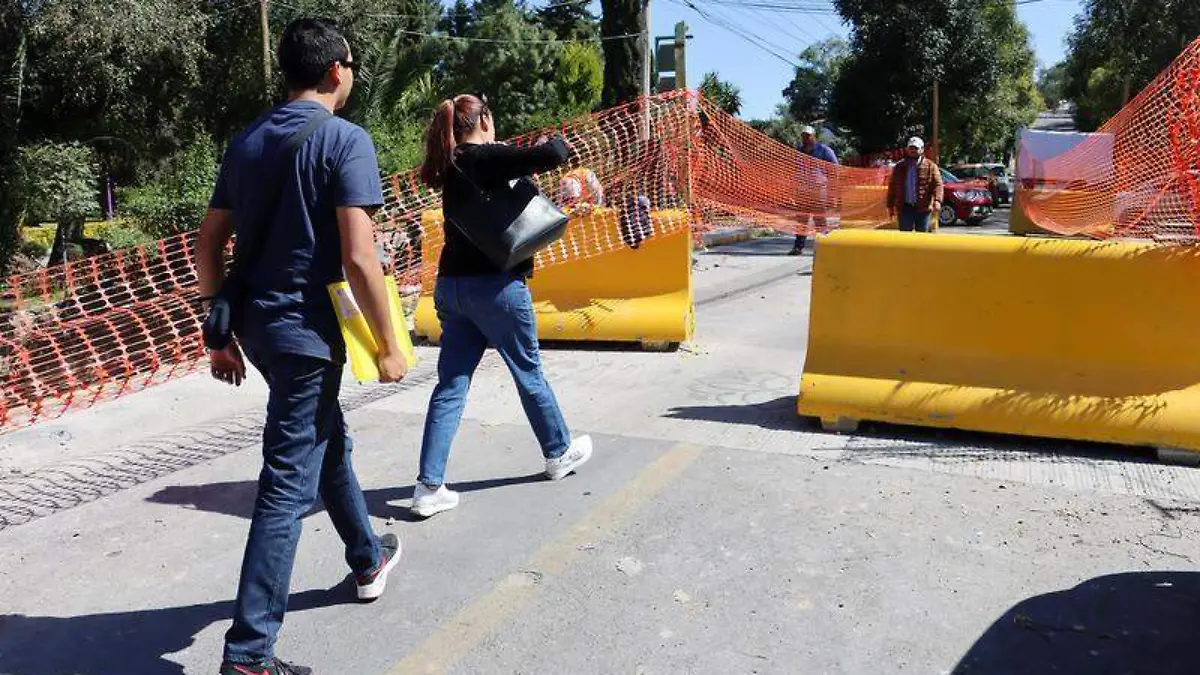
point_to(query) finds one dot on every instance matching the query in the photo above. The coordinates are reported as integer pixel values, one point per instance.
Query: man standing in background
(816, 174)
(915, 190)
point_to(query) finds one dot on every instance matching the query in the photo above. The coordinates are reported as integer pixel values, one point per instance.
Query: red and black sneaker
(268, 667)
(371, 584)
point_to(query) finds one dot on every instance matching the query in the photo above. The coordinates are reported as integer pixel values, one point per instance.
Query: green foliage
(119, 233)
(177, 200)
(13, 28)
(528, 77)
(579, 77)
(37, 248)
(1052, 84)
(516, 77)
(975, 49)
(400, 145)
(809, 95)
(36, 241)
(58, 181)
(573, 21)
(724, 94)
(982, 124)
(1118, 47)
(124, 75)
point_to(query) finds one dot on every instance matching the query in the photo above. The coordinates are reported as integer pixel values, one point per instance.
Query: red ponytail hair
(452, 119)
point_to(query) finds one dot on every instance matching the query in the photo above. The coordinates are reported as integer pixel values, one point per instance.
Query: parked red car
(966, 200)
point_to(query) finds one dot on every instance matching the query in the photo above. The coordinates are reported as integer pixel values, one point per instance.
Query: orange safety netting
(94, 329)
(1138, 176)
(97, 328)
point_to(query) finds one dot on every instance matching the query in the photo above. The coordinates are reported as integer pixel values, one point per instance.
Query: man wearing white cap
(814, 176)
(915, 190)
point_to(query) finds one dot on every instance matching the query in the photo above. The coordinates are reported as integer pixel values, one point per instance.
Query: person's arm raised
(498, 163)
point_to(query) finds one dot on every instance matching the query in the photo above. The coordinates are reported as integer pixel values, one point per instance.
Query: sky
(762, 76)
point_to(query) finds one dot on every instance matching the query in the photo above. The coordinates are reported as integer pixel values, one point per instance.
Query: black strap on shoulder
(249, 246)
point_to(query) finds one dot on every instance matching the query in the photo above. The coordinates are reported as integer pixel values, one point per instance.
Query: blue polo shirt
(287, 308)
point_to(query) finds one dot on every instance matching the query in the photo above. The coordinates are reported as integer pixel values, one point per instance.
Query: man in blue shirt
(817, 176)
(312, 208)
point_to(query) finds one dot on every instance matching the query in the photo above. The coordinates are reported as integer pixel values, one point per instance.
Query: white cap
(808, 130)
(916, 142)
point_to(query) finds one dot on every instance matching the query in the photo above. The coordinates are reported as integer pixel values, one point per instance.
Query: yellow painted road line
(466, 629)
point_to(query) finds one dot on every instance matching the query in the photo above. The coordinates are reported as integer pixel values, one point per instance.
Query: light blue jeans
(475, 312)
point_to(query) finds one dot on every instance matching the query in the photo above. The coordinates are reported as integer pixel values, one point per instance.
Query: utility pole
(936, 147)
(266, 49)
(681, 37)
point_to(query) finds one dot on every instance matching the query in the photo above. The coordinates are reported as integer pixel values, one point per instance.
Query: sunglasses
(346, 63)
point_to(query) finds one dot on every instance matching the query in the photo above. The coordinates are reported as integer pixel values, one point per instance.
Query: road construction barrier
(626, 295)
(864, 207)
(1062, 338)
(1076, 208)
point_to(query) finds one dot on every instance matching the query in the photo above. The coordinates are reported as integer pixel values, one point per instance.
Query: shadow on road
(776, 414)
(236, 498)
(125, 642)
(1133, 622)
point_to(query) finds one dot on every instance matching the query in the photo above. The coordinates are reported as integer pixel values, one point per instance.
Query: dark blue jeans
(911, 219)
(306, 452)
(477, 311)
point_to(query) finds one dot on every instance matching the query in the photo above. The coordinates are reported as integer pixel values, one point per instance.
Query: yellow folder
(361, 348)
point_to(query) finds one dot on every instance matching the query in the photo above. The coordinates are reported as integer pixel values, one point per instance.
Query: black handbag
(225, 307)
(511, 223)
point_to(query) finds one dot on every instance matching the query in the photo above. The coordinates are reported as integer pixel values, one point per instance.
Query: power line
(738, 31)
(777, 49)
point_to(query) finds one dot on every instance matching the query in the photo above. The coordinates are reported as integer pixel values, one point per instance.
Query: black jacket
(490, 166)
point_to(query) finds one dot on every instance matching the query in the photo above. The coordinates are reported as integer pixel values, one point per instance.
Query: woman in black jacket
(479, 304)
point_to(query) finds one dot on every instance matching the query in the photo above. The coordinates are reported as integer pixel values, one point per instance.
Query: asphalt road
(713, 532)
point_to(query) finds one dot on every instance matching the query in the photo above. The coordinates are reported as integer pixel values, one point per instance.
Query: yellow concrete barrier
(626, 295)
(1043, 337)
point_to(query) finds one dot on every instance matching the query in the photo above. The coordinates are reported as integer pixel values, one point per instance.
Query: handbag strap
(465, 175)
(245, 257)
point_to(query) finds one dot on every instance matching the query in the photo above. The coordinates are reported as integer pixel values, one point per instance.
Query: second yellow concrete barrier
(1043, 337)
(625, 295)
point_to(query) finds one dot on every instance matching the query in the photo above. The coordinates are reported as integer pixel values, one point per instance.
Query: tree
(123, 69)
(982, 124)
(1118, 47)
(623, 57)
(531, 80)
(1052, 84)
(12, 80)
(58, 181)
(809, 95)
(782, 127)
(725, 95)
(975, 50)
(579, 78)
(569, 20)
(897, 52)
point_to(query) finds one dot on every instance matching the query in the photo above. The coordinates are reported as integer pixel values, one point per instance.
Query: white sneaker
(579, 452)
(426, 502)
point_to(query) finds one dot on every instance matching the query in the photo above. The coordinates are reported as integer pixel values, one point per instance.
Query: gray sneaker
(579, 452)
